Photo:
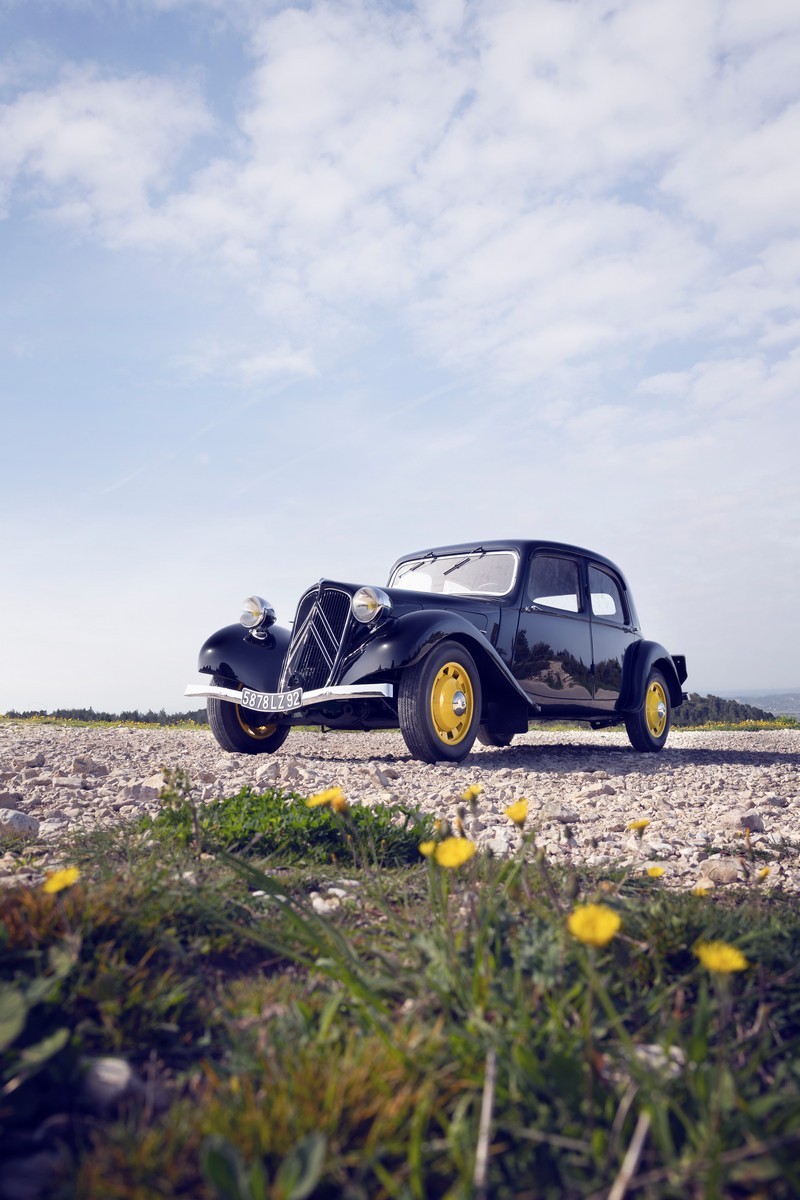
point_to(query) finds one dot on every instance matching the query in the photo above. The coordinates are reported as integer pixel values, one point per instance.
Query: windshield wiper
(415, 565)
(478, 551)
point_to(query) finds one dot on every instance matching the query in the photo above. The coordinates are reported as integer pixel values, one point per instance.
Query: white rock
(15, 824)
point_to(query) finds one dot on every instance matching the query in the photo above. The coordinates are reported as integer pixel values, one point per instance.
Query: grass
(440, 1033)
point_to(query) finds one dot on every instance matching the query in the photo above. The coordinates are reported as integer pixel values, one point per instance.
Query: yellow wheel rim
(256, 732)
(452, 703)
(656, 709)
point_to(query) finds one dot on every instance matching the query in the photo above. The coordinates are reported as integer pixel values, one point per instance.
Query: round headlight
(369, 603)
(255, 612)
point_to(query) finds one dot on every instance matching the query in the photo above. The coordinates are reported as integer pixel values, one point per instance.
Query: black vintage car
(465, 641)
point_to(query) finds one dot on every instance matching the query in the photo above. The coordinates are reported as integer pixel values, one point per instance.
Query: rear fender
(640, 659)
(236, 655)
(408, 639)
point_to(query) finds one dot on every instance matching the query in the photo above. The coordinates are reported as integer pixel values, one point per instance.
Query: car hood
(480, 611)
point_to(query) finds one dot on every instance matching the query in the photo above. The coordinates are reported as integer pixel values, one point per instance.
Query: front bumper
(346, 693)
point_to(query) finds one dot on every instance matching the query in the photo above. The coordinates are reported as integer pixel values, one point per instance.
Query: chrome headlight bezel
(256, 613)
(369, 604)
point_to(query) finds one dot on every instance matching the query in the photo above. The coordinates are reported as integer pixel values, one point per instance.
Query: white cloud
(96, 149)
(504, 176)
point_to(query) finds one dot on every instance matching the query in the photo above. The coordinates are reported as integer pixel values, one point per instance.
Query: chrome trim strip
(358, 691)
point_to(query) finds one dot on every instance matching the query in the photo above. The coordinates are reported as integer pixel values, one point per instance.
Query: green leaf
(33, 1057)
(12, 1015)
(222, 1167)
(299, 1172)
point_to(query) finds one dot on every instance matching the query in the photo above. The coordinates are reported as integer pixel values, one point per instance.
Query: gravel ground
(720, 805)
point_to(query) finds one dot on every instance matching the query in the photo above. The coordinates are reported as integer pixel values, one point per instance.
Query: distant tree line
(129, 717)
(703, 710)
(696, 710)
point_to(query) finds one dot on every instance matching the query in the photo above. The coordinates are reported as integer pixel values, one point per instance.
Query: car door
(612, 633)
(553, 648)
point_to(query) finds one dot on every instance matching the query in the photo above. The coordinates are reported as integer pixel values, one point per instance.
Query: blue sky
(288, 290)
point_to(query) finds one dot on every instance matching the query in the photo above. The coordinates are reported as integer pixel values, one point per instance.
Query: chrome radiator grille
(319, 629)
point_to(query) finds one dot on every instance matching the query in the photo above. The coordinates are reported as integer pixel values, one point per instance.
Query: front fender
(236, 655)
(641, 658)
(409, 638)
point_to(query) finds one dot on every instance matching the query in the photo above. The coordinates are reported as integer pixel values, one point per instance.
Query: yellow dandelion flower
(338, 802)
(655, 872)
(700, 890)
(763, 873)
(327, 797)
(638, 826)
(593, 924)
(518, 812)
(454, 852)
(473, 791)
(56, 881)
(720, 958)
(427, 848)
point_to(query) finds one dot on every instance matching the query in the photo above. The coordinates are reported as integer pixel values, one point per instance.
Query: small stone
(10, 799)
(560, 812)
(82, 764)
(722, 870)
(15, 824)
(107, 1081)
(752, 821)
(603, 789)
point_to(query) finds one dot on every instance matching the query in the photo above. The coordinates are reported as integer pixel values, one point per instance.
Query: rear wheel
(238, 729)
(489, 736)
(648, 727)
(439, 704)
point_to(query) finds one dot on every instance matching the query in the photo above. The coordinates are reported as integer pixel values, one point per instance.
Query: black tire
(439, 704)
(236, 728)
(489, 736)
(648, 727)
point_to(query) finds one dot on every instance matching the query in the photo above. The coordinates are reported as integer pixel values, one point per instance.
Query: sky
(289, 290)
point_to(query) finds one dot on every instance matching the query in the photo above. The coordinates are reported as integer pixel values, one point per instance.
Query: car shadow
(584, 757)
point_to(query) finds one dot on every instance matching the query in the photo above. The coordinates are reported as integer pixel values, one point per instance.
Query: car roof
(522, 545)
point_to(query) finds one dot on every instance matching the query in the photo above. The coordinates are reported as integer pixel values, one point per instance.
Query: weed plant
(462, 1027)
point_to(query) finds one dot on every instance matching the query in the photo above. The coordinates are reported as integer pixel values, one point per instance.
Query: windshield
(477, 573)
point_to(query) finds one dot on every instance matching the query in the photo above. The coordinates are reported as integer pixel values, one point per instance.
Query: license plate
(272, 701)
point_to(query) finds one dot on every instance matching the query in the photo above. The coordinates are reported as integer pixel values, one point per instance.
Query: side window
(606, 596)
(554, 583)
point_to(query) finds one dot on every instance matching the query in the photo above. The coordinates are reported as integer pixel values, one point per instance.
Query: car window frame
(512, 551)
(583, 610)
(621, 621)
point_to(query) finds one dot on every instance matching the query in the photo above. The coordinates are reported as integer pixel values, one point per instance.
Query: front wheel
(648, 727)
(230, 725)
(439, 704)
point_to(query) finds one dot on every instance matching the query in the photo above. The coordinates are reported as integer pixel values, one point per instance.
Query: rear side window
(606, 596)
(554, 583)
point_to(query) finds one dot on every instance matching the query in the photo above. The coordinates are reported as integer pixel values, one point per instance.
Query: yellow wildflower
(518, 812)
(700, 890)
(473, 791)
(638, 826)
(763, 873)
(720, 957)
(328, 797)
(454, 852)
(593, 924)
(56, 881)
(338, 802)
(655, 872)
(427, 848)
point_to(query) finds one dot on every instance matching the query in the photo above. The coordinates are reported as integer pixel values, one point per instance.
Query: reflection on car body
(465, 641)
